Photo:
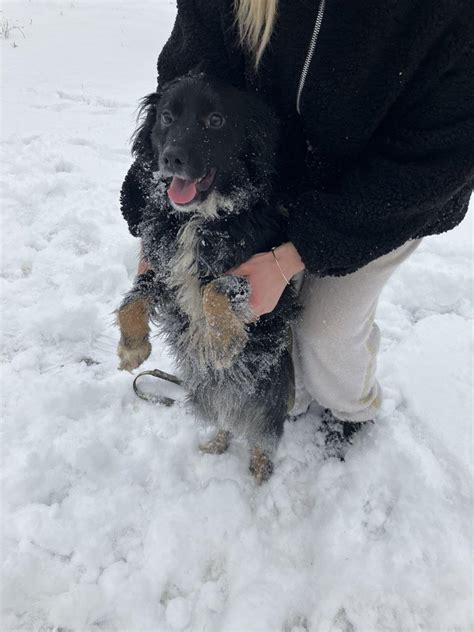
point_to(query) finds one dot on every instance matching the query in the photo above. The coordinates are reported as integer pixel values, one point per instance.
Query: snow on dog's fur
(212, 149)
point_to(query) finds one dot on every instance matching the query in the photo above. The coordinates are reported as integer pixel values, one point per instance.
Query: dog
(210, 152)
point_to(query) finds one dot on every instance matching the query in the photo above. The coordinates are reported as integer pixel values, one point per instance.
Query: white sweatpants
(335, 343)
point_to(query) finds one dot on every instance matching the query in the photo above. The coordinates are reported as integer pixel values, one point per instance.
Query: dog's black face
(197, 129)
(208, 140)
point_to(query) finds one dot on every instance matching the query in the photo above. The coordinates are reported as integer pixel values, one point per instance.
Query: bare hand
(143, 265)
(265, 277)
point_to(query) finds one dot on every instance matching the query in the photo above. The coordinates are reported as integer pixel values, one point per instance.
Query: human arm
(413, 179)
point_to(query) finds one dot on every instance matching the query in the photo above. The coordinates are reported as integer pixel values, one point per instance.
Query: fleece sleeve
(196, 42)
(408, 178)
(133, 195)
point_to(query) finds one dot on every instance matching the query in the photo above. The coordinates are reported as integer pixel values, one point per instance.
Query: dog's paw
(237, 290)
(134, 346)
(260, 465)
(226, 334)
(218, 445)
(131, 355)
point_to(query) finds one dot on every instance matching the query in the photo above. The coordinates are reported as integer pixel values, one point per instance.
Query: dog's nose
(174, 158)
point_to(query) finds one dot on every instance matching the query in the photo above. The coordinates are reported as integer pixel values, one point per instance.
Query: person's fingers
(256, 305)
(256, 312)
(143, 265)
(242, 270)
(248, 267)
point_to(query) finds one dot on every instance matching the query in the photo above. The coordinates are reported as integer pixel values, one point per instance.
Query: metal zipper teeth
(309, 56)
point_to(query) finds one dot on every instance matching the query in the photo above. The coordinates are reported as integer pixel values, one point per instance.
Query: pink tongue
(182, 191)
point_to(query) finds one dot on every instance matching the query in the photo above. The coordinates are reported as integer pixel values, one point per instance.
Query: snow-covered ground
(113, 520)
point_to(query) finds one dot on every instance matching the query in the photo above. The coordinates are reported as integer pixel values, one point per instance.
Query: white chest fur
(184, 279)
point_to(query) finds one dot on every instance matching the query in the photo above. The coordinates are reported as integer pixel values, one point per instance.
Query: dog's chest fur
(184, 278)
(175, 257)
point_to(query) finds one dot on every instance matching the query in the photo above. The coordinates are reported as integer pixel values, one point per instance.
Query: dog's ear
(141, 139)
(262, 132)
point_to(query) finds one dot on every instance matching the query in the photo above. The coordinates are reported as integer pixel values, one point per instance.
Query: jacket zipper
(309, 56)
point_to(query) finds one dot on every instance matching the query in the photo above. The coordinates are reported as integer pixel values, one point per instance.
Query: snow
(112, 517)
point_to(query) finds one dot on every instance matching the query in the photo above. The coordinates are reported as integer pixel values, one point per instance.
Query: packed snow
(112, 518)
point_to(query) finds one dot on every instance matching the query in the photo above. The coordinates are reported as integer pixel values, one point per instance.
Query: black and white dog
(210, 151)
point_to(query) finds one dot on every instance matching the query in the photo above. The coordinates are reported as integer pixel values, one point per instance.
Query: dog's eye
(166, 118)
(215, 120)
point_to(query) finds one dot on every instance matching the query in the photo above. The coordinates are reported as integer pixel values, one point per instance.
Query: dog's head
(213, 145)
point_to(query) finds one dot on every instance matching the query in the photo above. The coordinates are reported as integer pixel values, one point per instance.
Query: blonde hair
(255, 20)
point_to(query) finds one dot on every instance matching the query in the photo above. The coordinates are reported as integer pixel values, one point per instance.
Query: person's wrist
(289, 259)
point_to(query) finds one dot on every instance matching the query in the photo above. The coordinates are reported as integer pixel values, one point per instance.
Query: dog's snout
(174, 158)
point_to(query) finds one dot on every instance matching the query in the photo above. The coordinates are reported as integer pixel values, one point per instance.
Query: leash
(150, 397)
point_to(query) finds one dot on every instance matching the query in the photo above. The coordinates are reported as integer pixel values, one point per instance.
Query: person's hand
(267, 277)
(143, 265)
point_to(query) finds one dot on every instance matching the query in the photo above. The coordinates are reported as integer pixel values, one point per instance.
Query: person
(377, 151)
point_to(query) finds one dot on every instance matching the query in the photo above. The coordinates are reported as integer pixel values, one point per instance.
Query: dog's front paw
(260, 465)
(226, 334)
(132, 354)
(134, 346)
(237, 291)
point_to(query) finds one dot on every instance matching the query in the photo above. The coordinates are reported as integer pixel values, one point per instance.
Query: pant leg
(336, 341)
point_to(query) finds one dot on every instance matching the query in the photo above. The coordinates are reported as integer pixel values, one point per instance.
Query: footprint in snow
(377, 510)
(342, 623)
(64, 166)
(298, 623)
(83, 142)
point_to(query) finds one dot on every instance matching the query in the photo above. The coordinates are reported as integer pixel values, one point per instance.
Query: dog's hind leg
(218, 445)
(260, 465)
(267, 428)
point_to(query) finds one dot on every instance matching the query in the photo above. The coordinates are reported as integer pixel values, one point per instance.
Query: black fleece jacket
(383, 148)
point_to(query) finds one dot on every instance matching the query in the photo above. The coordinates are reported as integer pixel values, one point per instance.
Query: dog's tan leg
(134, 346)
(218, 445)
(226, 333)
(260, 465)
